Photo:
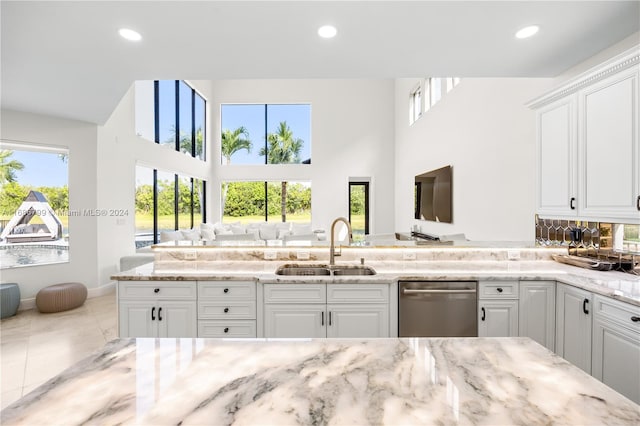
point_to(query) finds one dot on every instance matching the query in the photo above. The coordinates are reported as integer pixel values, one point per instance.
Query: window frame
(366, 185)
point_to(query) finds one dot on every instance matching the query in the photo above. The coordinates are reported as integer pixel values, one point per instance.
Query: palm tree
(232, 142)
(283, 149)
(8, 167)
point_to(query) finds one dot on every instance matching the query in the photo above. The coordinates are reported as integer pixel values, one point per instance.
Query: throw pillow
(268, 232)
(190, 234)
(166, 236)
(207, 232)
(301, 229)
(238, 229)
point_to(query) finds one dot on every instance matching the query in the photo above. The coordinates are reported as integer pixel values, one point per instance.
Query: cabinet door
(573, 326)
(556, 156)
(177, 319)
(497, 318)
(616, 358)
(282, 320)
(365, 320)
(135, 319)
(537, 312)
(608, 149)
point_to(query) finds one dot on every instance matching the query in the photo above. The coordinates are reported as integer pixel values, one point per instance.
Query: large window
(34, 205)
(266, 201)
(166, 201)
(359, 209)
(266, 134)
(173, 114)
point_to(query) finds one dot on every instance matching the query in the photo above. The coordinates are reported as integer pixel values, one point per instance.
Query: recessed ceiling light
(527, 32)
(130, 35)
(327, 31)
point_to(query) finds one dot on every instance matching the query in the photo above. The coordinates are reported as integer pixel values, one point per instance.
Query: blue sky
(40, 169)
(252, 117)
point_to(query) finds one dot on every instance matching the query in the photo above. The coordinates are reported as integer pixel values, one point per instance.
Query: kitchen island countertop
(326, 381)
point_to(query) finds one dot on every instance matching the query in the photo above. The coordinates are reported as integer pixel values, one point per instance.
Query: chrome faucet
(332, 249)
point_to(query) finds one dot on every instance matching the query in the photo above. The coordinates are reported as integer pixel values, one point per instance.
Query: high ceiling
(66, 58)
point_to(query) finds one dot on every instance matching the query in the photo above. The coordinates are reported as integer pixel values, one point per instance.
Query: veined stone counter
(618, 285)
(329, 381)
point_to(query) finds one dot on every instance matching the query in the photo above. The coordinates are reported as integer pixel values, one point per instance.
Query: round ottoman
(61, 297)
(9, 299)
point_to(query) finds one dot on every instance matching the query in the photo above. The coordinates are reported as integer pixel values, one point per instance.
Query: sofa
(236, 231)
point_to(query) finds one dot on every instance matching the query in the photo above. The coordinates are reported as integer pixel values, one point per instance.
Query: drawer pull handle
(584, 306)
(226, 290)
(484, 314)
(159, 311)
(499, 289)
(635, 319)
(226, 310)
(226, 329)
(322, 318)
(156, 290)
(153, 310)
(638, 203)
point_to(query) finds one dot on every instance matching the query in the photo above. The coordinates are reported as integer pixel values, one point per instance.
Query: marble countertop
(618, 285)
(422, 381)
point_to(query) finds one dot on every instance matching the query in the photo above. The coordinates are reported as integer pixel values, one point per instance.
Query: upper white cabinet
(588, 154)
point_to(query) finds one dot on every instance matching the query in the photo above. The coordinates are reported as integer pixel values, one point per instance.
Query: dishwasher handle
(432, 291)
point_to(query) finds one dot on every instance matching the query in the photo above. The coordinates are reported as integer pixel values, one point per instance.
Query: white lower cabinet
(157, 309)
(301, 310)
(616, 346)
(226, 309)
(573, 325)
(498, 309)
(537, 312)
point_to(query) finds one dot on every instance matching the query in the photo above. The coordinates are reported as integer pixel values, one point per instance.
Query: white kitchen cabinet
(573, 325)
(326, 310)
(157, 309)
(537, 312)
(227, 309)
(616, 346)
(497, 318)
(588, 150)
(498, 308)
(556, 167)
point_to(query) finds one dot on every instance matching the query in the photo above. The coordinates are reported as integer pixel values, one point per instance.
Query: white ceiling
(66, 58)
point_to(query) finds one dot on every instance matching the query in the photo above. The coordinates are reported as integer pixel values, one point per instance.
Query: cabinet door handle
(153, 310)
(635, 319)
(322, 318)
(638, 203)
(226, 310)
(499, 289)
(584, 306)
(484, 314)
(329, 317)
(226, 329)
(226, 290)
(571, 203)
(159, 317)
(156, 290)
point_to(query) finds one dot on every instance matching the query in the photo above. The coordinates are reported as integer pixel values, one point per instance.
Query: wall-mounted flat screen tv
(433, 195)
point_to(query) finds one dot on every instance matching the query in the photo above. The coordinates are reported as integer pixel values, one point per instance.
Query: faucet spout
(332, 249)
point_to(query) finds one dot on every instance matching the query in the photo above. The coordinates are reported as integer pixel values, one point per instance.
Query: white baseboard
(107, 288)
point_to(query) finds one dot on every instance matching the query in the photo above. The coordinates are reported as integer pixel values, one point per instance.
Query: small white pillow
(166, 236)
(255, 232)
(268, 232)
(207, 232)
(190, 234)
(301, 229)
(223, 231)
(283, 233)
(238, 229)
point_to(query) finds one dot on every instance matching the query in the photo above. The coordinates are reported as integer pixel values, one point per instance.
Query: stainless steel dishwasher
(438, 309)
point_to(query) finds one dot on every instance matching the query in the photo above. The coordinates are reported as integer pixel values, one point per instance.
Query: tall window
(359, 209)
(34, 205)
(173, 114)
(266, 134)
(266, 201)
(415, 101)
(166, 201)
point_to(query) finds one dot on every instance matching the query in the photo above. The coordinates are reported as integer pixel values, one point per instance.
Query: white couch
(285, 231)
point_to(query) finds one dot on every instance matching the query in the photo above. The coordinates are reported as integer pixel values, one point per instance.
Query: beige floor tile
(12, 375)
(13, 350)
(9, 397)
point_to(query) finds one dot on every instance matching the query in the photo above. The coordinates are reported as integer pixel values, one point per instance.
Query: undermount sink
(324, 270)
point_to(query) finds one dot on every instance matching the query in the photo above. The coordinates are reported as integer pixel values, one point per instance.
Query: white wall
(352, 136)
(80, 138)
(483, 130)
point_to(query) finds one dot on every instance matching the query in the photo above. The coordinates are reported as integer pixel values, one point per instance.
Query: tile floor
(35, 346)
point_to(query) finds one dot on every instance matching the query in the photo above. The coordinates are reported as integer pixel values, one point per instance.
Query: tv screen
(433, 195)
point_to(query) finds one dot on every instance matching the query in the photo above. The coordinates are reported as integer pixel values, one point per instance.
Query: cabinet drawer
(498, 290)
(616, 311)
(357, 293)
(227, 310)
(226, 290)
(235, 328)
(295, 293)
(157, 290)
